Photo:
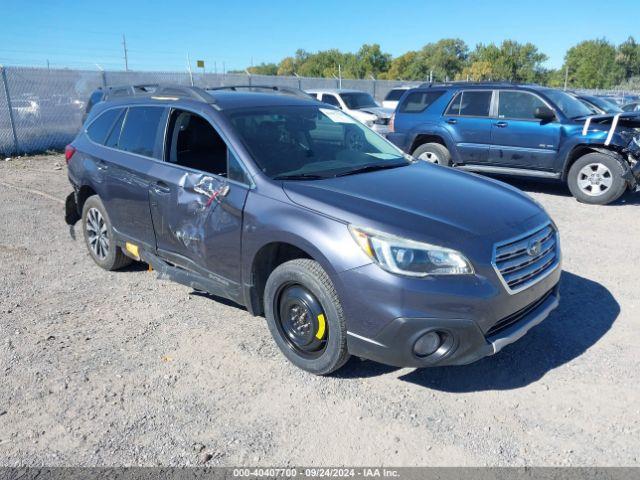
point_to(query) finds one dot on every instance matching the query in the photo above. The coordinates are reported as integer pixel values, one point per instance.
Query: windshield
(355, 101)
(570, 106)
(309, 142)
(604, 104)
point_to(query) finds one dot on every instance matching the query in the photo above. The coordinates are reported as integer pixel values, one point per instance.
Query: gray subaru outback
(302, 214)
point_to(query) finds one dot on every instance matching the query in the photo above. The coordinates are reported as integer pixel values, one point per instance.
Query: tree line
(589, 64)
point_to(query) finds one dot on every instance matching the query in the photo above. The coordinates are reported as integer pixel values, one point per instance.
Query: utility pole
(48, 67)
(126, 57)
(339, 76)
(566, 76)
(430, 76)
(189, 68)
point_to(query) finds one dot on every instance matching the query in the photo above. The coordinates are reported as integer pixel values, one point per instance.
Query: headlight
(407, 257)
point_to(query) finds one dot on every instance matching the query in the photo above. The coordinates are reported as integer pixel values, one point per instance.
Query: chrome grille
(523, 261)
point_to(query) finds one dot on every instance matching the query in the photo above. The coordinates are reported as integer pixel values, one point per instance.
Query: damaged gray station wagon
(302, 214)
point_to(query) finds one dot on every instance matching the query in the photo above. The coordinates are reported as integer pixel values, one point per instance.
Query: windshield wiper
(372, 168)
(299, 176)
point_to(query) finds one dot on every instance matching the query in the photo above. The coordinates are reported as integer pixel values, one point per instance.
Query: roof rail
(295, 92)
(182, 91)
(472, 84)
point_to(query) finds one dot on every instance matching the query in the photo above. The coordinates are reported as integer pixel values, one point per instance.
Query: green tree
(287, 66)
(399, 69)
(445, 59)
(513, 61)
(628, 56)
(370, 60)
(264, 69)
(592, 64)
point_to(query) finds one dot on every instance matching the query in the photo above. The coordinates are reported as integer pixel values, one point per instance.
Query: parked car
(521, 130)
(26, 111)
(391, 98)
(598, 105)
(347, 249)
(631, 107)
(360, 105)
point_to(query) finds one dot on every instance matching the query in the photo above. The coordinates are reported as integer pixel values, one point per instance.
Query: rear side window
(330, 99)
(101, 126)
(140, 130)
(418, 101)
(114, 135)
(471, 103)
(522, 105)
(395, 94)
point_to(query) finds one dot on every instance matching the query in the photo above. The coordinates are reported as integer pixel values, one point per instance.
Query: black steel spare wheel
(301, 320)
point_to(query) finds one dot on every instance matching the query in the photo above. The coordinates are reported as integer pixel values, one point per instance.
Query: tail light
(69, 150)
(391, 120)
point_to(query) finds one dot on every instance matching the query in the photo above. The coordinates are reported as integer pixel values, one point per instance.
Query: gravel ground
(120, 368)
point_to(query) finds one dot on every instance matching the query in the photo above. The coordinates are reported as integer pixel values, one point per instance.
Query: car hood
(379, 112)
(420, 201)
(625, 119)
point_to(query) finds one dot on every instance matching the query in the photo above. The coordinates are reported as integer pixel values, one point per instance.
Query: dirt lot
(100, 368)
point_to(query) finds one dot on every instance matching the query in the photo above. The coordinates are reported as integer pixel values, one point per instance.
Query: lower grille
(523, 261)
(517, 316)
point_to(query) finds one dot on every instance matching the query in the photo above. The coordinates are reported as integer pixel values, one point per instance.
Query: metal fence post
(104, 79)
(3, 74)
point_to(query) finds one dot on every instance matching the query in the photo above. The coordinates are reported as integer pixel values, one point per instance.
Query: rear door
(518, 138)
(468, 121)
(127, 140)
(197, 201)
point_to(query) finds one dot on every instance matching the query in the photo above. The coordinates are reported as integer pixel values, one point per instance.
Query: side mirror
(545, 114)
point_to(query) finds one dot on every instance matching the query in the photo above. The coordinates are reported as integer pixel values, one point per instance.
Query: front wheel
(596, 179)
(305, 316)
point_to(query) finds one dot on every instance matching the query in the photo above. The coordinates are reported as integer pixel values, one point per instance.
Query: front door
(518, 138)
(197, 202)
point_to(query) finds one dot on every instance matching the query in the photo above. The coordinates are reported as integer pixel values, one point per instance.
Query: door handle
(102, 166)
(452, 121)
(501, 124)
(161, 187)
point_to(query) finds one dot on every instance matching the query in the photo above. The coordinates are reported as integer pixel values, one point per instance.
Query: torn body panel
(198, 223)
(617, 135)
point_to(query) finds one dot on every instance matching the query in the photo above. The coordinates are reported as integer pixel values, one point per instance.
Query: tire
(433, 153)
(326, 350)
(596, 179)
(102, 248)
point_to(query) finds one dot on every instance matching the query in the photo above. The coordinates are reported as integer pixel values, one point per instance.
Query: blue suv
(522, 130)
(300, 213)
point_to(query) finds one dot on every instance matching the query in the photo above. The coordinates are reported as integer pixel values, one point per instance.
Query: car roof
(334, 90)
(219, 99)
(483, 86)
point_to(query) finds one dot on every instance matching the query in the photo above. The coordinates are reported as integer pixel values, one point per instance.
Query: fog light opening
(428, 344)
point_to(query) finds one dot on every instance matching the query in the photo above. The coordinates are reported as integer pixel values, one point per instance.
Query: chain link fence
(42, 109)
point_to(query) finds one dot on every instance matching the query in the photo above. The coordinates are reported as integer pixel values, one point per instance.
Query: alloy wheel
(430, 157)
(97, 234)
(595, 179)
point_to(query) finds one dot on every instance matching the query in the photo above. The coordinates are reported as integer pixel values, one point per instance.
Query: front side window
(194, 143)
(140, 130)
(311, 142)
(517, 104)
(101, 126)
(472, 103)
(571, 107)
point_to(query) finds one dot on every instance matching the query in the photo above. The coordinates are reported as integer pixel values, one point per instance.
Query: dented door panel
(197, 218)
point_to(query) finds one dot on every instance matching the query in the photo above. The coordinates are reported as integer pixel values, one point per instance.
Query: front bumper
(394, 345)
